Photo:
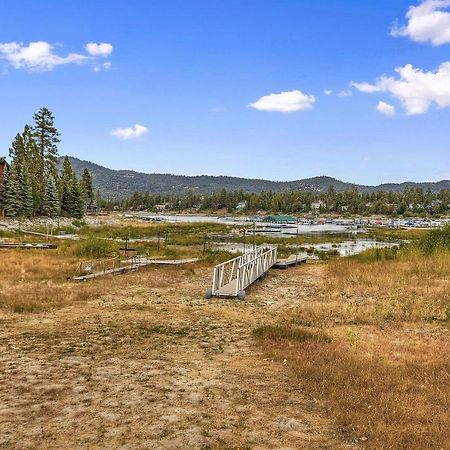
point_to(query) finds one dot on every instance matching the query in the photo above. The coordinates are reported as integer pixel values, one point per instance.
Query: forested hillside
(119, 184)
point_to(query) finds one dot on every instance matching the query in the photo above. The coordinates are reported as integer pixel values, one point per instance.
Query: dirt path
(148, 365)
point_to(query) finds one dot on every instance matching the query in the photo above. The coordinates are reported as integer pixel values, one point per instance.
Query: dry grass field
(371, 346)
(351, 353)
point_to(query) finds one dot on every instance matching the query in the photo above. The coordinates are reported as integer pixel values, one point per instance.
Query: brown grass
(36, 280)
(376, 349)
(39, 280)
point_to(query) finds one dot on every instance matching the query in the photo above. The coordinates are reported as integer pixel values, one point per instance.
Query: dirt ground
(151, 364)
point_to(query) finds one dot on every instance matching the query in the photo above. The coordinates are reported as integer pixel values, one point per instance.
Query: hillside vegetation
(115, 184)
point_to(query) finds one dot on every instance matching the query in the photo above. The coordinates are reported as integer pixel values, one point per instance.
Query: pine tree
(66, 191)
(13, 201)
(72, 201)
(50, 205)
(47, 138)
(77, 198)
(34, 166)
(19, 191)
(3, 182)
(86, 185)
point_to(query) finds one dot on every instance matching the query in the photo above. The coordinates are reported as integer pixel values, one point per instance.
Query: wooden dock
(291, 261)
(131, 265)
(168, 262)
(38, 245)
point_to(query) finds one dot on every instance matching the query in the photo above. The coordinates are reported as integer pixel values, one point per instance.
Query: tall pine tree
(19, 190)
(72, 201)
(34, 164)
(47, 139)
(86, 185)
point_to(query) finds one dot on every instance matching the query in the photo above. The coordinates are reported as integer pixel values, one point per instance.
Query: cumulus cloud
(415, 88)
(41, 56)
(285, 102)
(327, 91)
(103, 49)
(105, 66)
(427, 22)
(345, 93)
(36, 56)
(135, 132)
(386, 108)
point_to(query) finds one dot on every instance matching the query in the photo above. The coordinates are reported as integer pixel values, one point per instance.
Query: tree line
(410, 202)
(33, 184)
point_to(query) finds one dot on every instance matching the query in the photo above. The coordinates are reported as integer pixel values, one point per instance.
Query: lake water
(354, 246)
(278, 231)
(345, 248)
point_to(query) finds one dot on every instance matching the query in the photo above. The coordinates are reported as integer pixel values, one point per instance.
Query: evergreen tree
(19, 191)
(3, 182)
(66, 191)
(72, 201)
(47, 138)
(77, 198)
(13, 202)
(34, 166)
(50, 205)
(86, 185)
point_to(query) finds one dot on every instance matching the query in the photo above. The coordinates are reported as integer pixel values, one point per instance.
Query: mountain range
(117, 184)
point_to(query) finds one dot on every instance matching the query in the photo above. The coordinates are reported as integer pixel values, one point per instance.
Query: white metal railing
(238, 273)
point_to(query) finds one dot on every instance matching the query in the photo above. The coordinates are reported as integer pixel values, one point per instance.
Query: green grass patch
(94, 248)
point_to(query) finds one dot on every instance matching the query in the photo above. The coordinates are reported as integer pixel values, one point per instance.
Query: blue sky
(196, 76)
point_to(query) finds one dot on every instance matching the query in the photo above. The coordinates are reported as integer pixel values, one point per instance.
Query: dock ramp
(231, 278)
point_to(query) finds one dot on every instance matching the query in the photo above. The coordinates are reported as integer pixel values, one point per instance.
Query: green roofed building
(280, 219)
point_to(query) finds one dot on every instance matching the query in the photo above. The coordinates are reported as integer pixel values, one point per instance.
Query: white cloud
(102, 49)
(285, 102)
(427, 22)
(105, 66)
(345, 93)
(36, 56)
(135, 132)
(327, 91)
(365, 87)
(416, 89)
(386, 108)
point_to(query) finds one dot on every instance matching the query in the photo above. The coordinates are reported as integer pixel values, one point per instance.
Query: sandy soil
(151, 364)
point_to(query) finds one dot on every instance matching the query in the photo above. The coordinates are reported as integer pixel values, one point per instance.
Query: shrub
(94, 248)
(438, 239)
(78, 223)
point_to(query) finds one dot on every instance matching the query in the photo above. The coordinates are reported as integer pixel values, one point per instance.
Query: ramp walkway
(231, 278)
(292, 260)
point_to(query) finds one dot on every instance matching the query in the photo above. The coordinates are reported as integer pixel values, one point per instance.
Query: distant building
(3, 168)
(160, 208)
(241, 205)
(91, 207)
(317, 205)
